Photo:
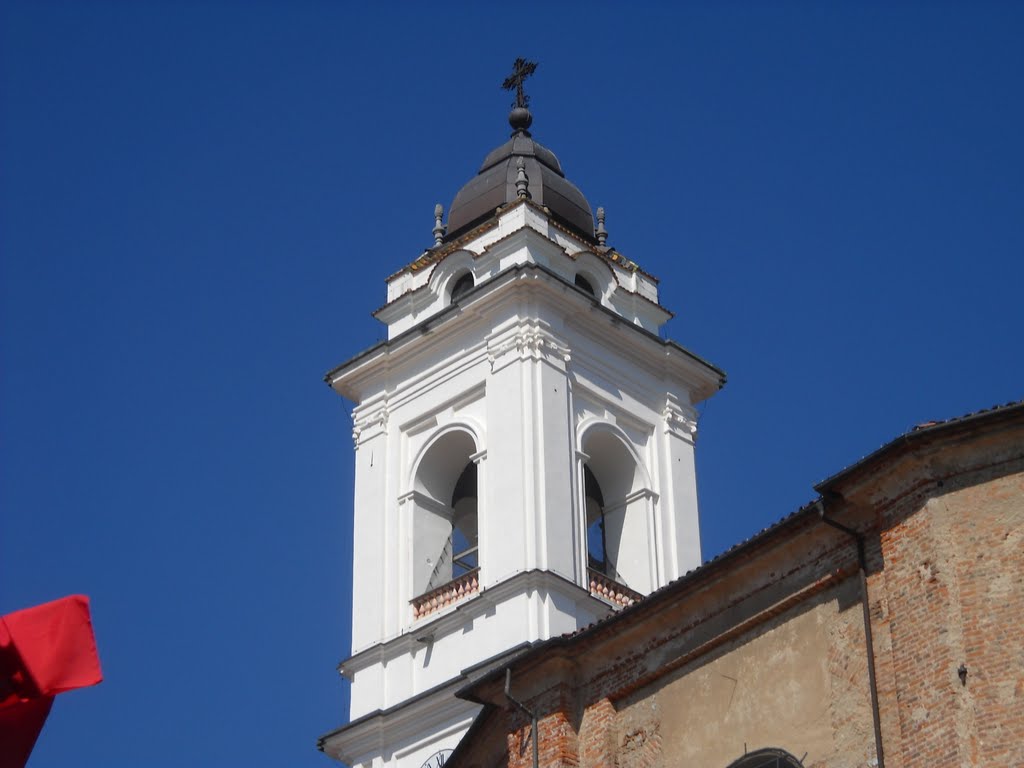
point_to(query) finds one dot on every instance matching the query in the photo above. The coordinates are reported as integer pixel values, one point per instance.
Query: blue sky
(199, 202)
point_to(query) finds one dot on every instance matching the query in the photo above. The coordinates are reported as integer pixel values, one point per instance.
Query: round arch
(597, 272)
(444, 523)
(611, 445)
(446, 272)
(769, 757)
(436, 460)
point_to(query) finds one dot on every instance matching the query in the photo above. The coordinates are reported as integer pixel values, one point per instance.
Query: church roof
(986, 420)
(495, 184)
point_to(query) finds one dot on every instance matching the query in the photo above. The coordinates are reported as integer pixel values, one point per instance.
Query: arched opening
(766, 758)
(463, 285)
(445, 513)
(585, 284)
(617, 516)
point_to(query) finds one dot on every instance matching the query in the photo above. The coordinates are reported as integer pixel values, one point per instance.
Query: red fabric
(44, 650)
(55, 644)
(20, 724)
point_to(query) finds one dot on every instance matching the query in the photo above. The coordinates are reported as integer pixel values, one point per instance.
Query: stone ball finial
(520, 119)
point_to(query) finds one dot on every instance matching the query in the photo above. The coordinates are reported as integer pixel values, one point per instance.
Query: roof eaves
(436, 254)
(379, 714)
(726, 558)
(723, 377)
(651, 602)
(442, 314)
(917, 433)
(397, 299)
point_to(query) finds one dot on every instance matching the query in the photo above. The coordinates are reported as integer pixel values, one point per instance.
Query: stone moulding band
(447, 594)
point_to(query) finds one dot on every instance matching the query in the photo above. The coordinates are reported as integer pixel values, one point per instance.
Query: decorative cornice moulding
(530, 341)
(680, 420)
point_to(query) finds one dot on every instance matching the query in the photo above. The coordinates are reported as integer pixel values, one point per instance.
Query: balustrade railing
(609, 589)
(447, 594)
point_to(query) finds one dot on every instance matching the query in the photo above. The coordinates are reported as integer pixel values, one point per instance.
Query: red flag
(44, 650)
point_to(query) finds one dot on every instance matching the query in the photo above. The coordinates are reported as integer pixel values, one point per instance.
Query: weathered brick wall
(991, 573)
(954, 593)
(597, 735)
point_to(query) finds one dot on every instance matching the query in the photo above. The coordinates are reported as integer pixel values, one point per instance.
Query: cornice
(386, 729)
(529, 339)
(661, 359)
(351, 376)
(452, 619)
(434, 255)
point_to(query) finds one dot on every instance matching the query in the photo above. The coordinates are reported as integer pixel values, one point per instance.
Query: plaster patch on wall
(777, 688)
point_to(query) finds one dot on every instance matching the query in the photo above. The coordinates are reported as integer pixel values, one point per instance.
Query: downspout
(862, 567)
(533, 718)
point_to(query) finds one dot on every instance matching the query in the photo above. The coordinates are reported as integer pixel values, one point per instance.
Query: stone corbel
(680, 420)
(547, 346)
(528, 342)
(366, 426)
(501, 350)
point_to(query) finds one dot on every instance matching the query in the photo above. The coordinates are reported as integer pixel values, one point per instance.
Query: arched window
(586, 285)
(767, 758)
(619, 543)
(444, 523)
(462, 286)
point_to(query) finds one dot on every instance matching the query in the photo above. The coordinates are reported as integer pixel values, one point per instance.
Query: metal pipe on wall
(533, 718)
(868, 637)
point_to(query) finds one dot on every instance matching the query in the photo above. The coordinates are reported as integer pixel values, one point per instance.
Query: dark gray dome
(495, 184)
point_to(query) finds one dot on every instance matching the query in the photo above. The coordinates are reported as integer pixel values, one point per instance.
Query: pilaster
(678, 514)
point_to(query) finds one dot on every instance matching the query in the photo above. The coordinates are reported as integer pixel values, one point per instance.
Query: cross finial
(521, 70)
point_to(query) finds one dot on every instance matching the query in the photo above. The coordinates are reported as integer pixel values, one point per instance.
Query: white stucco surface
(530, 378)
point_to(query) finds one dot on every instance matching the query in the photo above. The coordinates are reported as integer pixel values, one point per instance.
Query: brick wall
(954, 588)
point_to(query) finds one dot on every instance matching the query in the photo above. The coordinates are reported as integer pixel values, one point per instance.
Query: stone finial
(522, 180)
(438, 226)
(602, 233)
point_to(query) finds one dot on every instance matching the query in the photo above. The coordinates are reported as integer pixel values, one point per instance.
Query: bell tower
(524, 448)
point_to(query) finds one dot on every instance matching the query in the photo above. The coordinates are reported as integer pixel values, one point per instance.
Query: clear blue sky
(199, 202)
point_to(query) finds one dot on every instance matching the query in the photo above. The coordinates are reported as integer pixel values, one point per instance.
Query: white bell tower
(524, 447)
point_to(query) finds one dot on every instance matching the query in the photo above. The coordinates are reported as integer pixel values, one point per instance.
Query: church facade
(527, 578)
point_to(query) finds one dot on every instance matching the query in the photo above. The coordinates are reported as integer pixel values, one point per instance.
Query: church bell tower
(524, 448)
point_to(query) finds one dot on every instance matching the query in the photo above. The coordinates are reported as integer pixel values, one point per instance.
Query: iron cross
(521, 70)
